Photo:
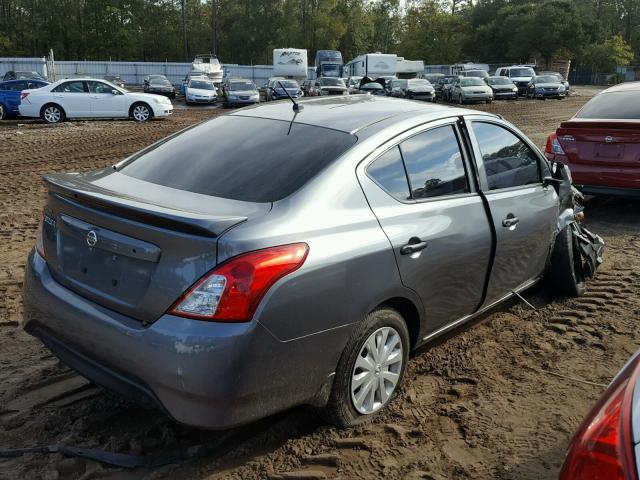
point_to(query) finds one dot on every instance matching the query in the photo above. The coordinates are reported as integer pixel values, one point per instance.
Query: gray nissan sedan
(280, 256)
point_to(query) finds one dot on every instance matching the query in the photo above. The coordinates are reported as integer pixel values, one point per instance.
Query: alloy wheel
(52, 114)
(141, 113)
(376, 371)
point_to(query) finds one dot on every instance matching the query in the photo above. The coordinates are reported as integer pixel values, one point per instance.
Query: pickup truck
(10, 95)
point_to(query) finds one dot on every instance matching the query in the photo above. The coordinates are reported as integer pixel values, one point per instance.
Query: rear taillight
(603, 446)
(39, 237)
(231, 291)
(23, 95)
(553, 146)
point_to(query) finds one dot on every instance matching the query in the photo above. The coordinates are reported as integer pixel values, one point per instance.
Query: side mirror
(546, 181)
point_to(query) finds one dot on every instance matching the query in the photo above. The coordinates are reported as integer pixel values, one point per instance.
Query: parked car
(546, 86)
(276, 89)
(600, 143)
(413, 89)
(160, 86)
(353, 84)
(470, 89)
(91, 98)
(433, 78)
(115, 79)
(520, 75)
(330, 86)
(443, 87)
(474, 73)
(385, 81)
(559, 77)
(239, 91)
(502, 88)
(10, 95)
(372, 88)
(148, 78)
(200, 90)
(13, 75)
(295, 261)
(607, 443)
(189, 76)
(308, 88)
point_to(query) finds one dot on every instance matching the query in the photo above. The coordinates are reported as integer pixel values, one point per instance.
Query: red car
(601, 143)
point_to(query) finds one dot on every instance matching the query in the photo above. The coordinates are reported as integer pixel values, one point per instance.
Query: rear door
(73, 97)
(523, 211)
(418, 187)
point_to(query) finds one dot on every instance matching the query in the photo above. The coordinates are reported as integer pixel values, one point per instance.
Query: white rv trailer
(409, 68)
(290, 63)
(372, 65)
(461, 67)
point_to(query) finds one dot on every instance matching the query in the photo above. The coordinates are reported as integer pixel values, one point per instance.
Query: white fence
(133, 73)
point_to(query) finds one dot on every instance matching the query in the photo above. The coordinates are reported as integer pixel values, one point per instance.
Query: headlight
(561, 88)
(514, 89)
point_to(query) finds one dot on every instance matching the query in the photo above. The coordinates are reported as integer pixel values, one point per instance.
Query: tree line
(599, 33)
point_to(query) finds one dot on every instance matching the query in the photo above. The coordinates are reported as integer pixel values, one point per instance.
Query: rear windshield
(242, 158)
(522, 72)
(612, 105)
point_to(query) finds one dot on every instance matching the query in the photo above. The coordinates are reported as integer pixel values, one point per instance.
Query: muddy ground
(497, 399)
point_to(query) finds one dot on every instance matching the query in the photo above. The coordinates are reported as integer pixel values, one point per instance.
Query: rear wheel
(52, 113)
(140, 112)
(566, 272)
(370, 369)
(3, 112)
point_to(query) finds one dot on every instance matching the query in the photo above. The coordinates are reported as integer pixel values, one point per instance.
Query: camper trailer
(209, 65)
(328, 63)
(290, 63)
(372, 65)
(458, 68)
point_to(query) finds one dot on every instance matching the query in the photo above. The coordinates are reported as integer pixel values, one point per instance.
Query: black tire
(52, 113)
(565, 274)
(460, 101)
(137, 112)
(3, 112)
(340, 410)
(489, 101)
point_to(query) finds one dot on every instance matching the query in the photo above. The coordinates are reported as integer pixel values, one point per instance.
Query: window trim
(467, 160)
(479, 161)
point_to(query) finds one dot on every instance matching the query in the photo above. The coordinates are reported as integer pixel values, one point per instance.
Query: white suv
(521, 75)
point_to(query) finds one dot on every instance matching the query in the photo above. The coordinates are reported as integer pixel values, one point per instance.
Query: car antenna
(296, 106)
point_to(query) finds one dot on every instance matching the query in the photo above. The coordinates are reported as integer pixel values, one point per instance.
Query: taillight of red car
(553, 146)
(602, 449)
(232, 291)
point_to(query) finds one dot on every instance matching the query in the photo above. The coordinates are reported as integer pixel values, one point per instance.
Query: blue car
(10, 95)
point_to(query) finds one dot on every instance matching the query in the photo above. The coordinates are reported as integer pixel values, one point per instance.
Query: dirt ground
(498, 399)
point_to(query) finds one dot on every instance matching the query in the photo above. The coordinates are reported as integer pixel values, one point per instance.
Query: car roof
(24, 80)
(623, 87)
(353, 113)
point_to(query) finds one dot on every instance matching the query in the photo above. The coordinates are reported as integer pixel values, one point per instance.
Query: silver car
(470, 89)
(301, 259)
(238, 91)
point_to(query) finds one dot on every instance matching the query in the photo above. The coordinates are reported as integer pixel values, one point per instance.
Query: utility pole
(184, 32)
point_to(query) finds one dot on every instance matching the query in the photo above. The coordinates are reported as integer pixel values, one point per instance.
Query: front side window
(434, 163)
(70, 87)
(388, 172)
(99, 87)
(508, 161)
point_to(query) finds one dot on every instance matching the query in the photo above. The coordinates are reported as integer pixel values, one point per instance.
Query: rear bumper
(205, 374)
(555, 94)
(609, 191)
(603, 178)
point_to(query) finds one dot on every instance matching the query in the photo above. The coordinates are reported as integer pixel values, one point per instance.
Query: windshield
(471, 82)
(201, 85)
(522, 72)
(331, 82)
(499, 81)
(286, 84)
(160, 82)
(476, 73)
(241, 86)
(417, 82)
(612, 105)
(330, 69)
(547, 79)
(209, 60)
(254, 159)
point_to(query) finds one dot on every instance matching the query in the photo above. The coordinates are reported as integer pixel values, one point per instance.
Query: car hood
(201, 91)
(520, 79)
(503, 87)
(420, 89)
(243, 92)
(548, 85)
(476, 88)
(291, 91)
(332, 87)
(148, 96)
(161, 87)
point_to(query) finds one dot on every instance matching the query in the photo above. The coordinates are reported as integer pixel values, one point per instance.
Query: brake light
(39, 237)
(232, 291)
(23, 95)
(553, 146)
(603, 446)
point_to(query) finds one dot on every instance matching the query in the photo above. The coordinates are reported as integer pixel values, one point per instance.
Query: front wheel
(52, 113)
(460, 101)
(140, 112)
(370, 369)
(565, 274)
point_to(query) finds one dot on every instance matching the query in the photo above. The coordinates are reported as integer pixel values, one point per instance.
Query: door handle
(510, 221)
(414, 245)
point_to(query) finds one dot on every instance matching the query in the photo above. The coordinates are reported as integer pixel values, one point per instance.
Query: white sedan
(91, 98)
(200, 90)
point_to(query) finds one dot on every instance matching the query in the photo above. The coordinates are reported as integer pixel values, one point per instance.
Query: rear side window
(434, 163)
(508, 161)
(388, 172)
(70, 87)
(612, 105)
(242, 158)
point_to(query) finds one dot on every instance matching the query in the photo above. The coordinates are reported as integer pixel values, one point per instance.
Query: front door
(524, 212)
(419, 190)
(104, 103)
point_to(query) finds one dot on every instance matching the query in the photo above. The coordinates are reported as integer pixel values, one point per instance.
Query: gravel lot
(498, 399)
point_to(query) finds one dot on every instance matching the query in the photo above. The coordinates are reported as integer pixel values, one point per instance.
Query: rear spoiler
(72, 189)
